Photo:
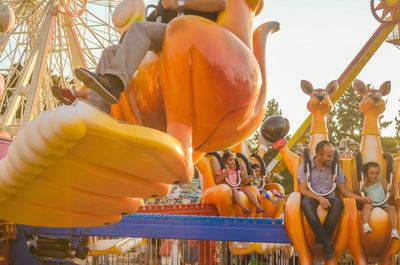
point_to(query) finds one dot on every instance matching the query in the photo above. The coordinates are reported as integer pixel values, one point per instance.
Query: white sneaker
(394, 234)
(368, 229)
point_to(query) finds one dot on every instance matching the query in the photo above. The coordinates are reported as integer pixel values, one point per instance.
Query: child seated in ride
(374, 190)
(272, 195)
(230, 176)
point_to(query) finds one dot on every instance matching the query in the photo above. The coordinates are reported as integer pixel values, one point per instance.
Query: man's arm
(345, 192)
(306, 192)
(196, 5)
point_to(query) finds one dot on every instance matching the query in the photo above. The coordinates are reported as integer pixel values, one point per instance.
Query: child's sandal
(246, 210)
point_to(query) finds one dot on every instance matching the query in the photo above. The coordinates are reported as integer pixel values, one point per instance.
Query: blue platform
(181, 227)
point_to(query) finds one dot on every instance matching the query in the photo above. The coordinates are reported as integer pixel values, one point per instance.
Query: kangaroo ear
(260, 7)
(385, 88)
(332, 87)
(254, 5)
(360, 87)
(306, 87)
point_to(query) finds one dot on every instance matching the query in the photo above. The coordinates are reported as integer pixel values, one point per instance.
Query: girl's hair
(254, 166)
(227, 154)
(368, 165)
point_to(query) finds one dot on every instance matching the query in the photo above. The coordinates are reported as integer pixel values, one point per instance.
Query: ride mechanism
(49, 39)
(386, 12)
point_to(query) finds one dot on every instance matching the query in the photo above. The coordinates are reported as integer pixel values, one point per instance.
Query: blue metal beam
(19, 251)
(181, 227)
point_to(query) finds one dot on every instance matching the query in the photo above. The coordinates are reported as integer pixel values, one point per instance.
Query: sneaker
(367, 228)
(395, 234)
(107, 86)
(64, 95)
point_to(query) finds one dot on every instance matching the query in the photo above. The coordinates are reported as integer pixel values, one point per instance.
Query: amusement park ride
(162, 122)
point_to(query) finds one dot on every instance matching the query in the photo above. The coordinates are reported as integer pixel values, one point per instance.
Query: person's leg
(365, 214)
(140, 38)
(92, 96)
(392, 216)
(253, 199)
(309, 207)
(106, 58)
(332, 219)
(236, 198)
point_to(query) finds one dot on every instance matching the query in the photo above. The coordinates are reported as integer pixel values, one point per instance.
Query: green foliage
(346, 119)
(389, 144)
(383, 124)
(270, 154)
(397, 124)
(287, 181)
(272, 109)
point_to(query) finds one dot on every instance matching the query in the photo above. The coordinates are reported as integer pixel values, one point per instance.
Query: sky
(317, 41)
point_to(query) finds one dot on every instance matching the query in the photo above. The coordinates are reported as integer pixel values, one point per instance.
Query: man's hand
(324, 203)
(170, 4)
(365, 200)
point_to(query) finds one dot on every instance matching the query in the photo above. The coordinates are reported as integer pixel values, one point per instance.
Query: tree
(346, 119)
(272, 109)
(397, 128)
(389, 144)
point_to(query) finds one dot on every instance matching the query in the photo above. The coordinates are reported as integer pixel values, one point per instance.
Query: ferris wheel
(50, 38)
(388, 12)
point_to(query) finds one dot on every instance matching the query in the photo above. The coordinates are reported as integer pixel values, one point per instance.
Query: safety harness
(222, 166)
(307, 171)
(263, 173)
(389, 176)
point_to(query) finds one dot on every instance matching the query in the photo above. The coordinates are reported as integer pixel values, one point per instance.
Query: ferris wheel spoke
(21, 20)
(380, 6)
(384, 11)
(73, 8)
(80, 35)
